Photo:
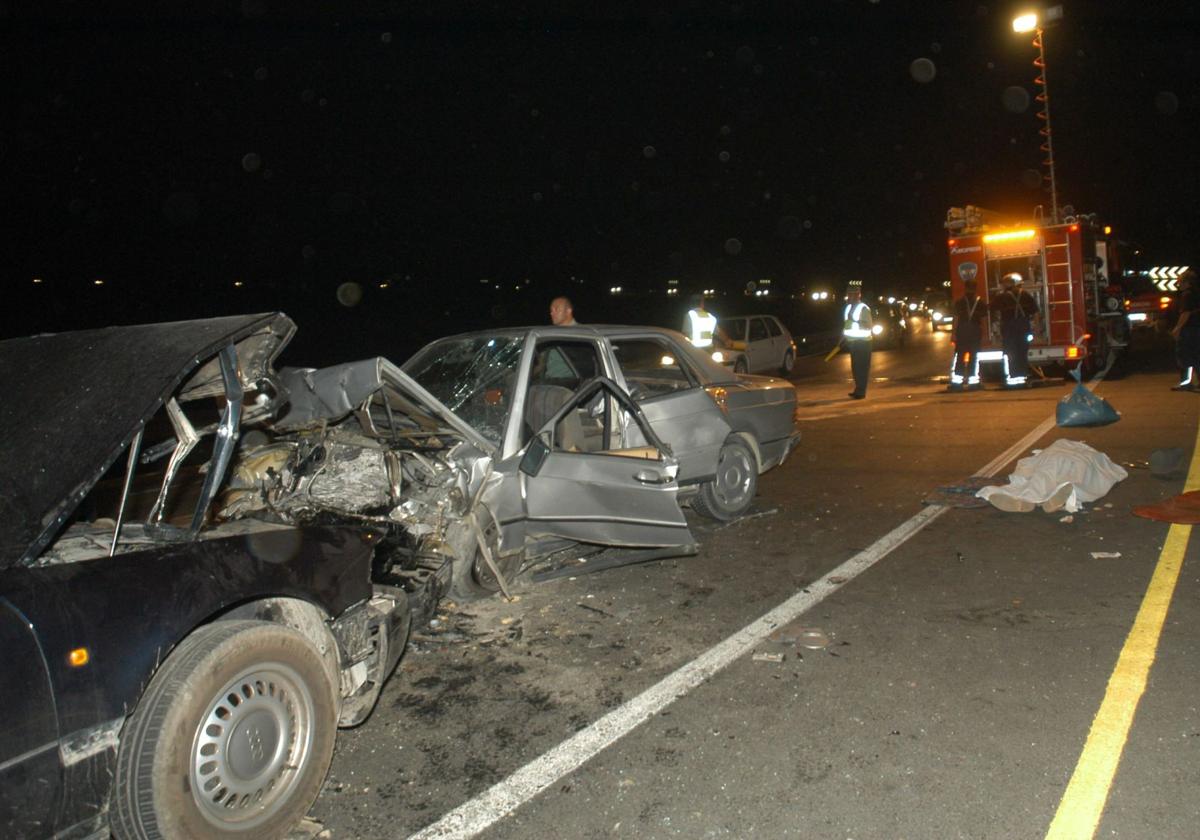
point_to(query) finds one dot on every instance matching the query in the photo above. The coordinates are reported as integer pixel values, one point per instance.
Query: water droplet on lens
(261, 74)
(649, 152)
(1015, 99)
(251, 162)
(1165, 102)
(386, 37)
(537, 196)
(308, 252)
(349, 294)
(1031, 179)
(922, 70)
(733, 246)
(723, 157)
(745, 54)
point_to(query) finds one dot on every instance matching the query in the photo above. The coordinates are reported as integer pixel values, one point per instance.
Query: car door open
(580, 480)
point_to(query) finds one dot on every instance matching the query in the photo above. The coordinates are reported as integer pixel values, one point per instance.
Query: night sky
(429, 147)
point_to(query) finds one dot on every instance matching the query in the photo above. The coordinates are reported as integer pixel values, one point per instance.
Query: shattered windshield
(473, 377)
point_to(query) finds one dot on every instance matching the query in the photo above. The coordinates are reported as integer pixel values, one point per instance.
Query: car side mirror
(534, 457)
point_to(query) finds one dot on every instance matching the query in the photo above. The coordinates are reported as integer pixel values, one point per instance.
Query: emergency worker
(1187, 333)
(970, 313)
(856, 338)
(1016, 307)
(699, 324)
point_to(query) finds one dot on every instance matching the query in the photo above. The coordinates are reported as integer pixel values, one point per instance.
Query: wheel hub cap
(250, 746)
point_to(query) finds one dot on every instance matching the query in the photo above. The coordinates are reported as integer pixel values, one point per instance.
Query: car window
(758, 332)
(566, 363)
(734, 328)
(651, 367)
(773, 327)
(473, 377)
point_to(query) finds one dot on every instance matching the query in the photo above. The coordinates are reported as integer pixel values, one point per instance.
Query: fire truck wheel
(740, 365)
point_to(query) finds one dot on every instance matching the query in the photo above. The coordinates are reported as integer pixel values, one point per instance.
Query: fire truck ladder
(1060, 292)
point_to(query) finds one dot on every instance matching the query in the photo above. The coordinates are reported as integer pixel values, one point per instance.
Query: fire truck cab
(1065, 266)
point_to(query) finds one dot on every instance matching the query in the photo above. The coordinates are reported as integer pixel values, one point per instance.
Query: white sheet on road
(1059, 477)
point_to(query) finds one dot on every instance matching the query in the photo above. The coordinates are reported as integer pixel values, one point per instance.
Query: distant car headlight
(876, 329)
(903, 323)
(718, 357)
(937, 316)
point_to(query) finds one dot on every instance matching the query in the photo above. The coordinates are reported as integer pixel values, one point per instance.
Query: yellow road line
(1083, 801)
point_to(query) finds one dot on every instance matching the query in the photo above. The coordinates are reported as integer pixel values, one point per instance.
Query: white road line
(474, 816)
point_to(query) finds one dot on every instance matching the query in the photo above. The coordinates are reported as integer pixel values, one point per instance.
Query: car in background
(169, 671)
(940, 311)
(889, 325)
(1148, 306)
(755, 344)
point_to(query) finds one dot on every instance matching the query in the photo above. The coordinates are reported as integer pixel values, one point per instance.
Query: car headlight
(718, 357)
(937, 316)
(876, 329)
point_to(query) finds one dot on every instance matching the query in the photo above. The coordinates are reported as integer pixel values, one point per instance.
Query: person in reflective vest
(969, 315)
(699, 324)
(856, 338)
(1187, 333)
(1016, 308)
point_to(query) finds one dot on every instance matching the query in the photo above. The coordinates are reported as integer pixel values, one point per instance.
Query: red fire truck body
(1064, 266)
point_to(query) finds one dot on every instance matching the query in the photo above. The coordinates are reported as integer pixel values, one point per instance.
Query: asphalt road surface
(928, 672)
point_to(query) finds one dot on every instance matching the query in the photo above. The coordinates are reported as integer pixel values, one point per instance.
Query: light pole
(1032, 22)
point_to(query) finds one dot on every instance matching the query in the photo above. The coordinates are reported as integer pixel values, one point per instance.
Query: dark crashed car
(168, 672)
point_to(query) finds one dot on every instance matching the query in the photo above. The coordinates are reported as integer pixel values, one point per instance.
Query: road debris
(813, 638)
(763, 656)
(1105, 555)
(1068, 519)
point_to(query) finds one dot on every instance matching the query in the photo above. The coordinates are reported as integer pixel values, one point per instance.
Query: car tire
(740, 365)
(789, 362)
(232, 738)
(473, 579)
(731, 491)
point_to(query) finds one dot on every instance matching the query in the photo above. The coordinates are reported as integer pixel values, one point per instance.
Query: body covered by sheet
(1061, 476)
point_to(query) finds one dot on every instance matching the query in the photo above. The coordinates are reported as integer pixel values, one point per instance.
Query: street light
(1033, 22)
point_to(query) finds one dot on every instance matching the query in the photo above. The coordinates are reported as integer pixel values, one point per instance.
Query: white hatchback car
(755, 344)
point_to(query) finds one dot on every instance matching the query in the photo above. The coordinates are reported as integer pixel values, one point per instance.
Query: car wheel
(232, 738)
(740, 365)
(474, 579)
(732, 490)
(789, 362)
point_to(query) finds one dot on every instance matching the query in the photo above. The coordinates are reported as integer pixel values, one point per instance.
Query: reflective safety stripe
(702, 326)
(853, 322)
(1187, 379)
(990, 355)
(1009, 379)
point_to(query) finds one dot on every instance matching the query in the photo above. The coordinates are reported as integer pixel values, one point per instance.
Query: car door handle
(651, 477)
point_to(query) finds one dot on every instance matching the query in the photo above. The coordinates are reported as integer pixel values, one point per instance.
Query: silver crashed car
(489, 450)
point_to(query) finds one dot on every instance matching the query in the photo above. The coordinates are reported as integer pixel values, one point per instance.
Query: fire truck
(1066, 266)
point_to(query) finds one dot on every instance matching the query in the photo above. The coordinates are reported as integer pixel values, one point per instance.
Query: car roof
(73, 401)
(702, 360)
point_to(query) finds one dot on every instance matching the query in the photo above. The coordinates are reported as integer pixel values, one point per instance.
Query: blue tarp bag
(1083, 408)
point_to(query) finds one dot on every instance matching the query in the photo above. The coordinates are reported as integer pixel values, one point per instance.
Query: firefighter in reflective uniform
(969, 314)
(856, 338)
(1016, 308)
(1187, 333)
(699, 324)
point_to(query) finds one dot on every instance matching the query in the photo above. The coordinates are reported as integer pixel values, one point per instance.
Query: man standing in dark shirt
(1187, 333)
(969, 314)
(1016, 308)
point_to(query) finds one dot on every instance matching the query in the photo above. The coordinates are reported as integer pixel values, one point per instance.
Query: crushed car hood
(71, 402)
(329, 394)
